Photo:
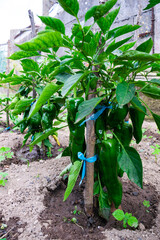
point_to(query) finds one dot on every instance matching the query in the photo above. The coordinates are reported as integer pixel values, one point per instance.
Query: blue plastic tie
(96, 115)
(126, 121)
(8, 128)
(32, 138)
(84, 159)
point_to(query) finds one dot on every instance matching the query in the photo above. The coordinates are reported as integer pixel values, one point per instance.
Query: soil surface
(32, 207)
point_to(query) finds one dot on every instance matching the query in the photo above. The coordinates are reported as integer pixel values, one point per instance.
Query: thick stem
(90, 150)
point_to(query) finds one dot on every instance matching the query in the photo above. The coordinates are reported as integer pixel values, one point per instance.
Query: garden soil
(32, 207)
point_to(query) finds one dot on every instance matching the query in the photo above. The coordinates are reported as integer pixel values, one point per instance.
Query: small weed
(60, 149)
(146, 204)
(156, 151)
(5, 152)
(49, 154)
(76, 211)
(3, 226)
(144, 130)
(3, 179)
(127, 218)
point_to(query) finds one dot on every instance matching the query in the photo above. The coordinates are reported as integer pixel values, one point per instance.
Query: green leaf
(14, 80)
(145, 46)
(22, 54)
(137, 104)
(156, 119)
(42, 42)
(21, 106)
(113, 46)
(90, 48)
(72, 81)
(127, 46)
(43, 136)
(105, 22)
(151, 4)
(130, 162)
(155, 81)
(151, 91)
(99, 11)
(70, 6)
(86, 107)
(73, 175)
(138, 56)
(116, 32)
(29, 65)
(118, 214)
(53, 23)
(124, 93)
(133, 222)
(47, 92)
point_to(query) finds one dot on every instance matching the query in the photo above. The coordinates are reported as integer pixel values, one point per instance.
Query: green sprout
(127, 218)
(5, 153)
(3, 179)
(156, 151)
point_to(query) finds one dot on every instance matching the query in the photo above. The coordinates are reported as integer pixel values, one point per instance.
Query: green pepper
(25, 123)
(108, 152)
(49, 113)
(77, 137)
(137, 118)
(34, 122)
(124, 133)
(117, 115)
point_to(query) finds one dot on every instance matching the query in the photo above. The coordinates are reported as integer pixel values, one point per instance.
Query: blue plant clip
(84, 159)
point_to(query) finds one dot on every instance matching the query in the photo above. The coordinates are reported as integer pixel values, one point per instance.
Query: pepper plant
(97, 77)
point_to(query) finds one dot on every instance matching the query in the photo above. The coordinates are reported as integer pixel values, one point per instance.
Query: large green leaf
(145, 46)
(99, 11)
(53, 23)
(137, 104)
(139, 56)
(72, 81)
(125, 92)
(130, 162)
(70, 6)
(47, 92)
(14, 80)
(21, 106)
(127, 46)
(116, 32)
(105, 22)
(155, 81)
(23, 54)
(151, 91)
(113, 46)
(43, 136)
(86, 107)
(73, 175)
(30, 65)
(42, 42)
(156, 119)
(152, 3)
